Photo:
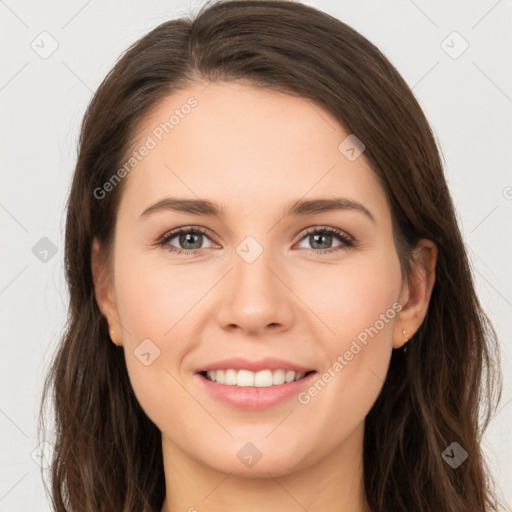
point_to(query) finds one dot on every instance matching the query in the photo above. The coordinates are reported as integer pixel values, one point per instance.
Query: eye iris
(186, 238)
(315, 237)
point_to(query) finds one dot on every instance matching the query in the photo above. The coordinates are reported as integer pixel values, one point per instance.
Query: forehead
(251, 149)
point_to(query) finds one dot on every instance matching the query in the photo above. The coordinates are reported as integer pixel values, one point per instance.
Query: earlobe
(416, 293)
(114, 339)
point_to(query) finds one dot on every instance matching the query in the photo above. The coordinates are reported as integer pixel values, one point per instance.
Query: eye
(321, 239)
(189, 240)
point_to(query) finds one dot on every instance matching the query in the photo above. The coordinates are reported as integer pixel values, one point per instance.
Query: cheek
(359, 305)
(356, 300)
(154, 298)
(367, 311)
(153, 303)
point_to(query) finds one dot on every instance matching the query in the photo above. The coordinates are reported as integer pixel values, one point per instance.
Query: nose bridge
(254, 276)
(253, 280)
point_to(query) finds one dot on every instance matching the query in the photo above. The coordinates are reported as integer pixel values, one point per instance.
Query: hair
(107, 453)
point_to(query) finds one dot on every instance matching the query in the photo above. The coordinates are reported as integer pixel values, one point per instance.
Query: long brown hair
(107, 452)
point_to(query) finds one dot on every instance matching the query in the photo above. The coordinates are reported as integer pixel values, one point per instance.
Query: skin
(255, 151)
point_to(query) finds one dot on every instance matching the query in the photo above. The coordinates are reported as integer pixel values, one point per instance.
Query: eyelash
(347, 242)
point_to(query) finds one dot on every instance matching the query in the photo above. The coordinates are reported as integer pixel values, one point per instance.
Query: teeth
(246, 378)
(278, 377)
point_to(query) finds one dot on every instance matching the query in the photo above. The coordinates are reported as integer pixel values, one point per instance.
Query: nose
(255, 297)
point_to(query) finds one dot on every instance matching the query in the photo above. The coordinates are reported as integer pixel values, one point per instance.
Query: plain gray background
(466, 94)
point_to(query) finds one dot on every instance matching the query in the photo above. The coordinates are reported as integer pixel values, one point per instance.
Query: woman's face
(256, 284)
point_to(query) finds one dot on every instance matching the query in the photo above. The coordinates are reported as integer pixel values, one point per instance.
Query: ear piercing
(404, 333)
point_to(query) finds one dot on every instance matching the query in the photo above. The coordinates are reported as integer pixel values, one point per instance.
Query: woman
(270, 301)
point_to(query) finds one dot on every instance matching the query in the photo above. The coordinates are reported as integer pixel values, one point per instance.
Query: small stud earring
(112, 335)
(404, 333)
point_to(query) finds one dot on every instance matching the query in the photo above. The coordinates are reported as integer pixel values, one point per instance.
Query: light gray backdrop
(455, 55)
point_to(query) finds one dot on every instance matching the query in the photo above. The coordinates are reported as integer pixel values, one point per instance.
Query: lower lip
(251, 398)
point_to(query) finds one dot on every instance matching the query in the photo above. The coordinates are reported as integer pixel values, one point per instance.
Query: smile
(260, 379)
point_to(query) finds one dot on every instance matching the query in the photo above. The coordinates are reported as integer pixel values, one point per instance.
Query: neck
(333, 483)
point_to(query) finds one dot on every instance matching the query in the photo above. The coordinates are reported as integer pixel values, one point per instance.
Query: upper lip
(240, 363)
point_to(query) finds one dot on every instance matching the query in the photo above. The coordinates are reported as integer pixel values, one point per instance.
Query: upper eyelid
(328, 229)
(174, 232)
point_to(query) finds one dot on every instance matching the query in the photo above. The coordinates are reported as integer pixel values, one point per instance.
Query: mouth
(260, 379)
(260, 390)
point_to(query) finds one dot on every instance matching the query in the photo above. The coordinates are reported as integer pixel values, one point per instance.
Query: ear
(416, 292)
(104, 293)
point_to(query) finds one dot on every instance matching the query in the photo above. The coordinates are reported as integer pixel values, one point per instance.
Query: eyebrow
(295, 208)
